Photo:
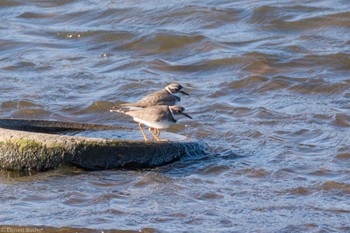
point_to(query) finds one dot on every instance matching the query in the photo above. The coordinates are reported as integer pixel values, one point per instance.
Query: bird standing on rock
(156, 118)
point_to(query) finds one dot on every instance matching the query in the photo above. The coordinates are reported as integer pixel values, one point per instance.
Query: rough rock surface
(34, 145)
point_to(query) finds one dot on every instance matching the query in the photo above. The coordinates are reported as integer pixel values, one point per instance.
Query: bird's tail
(118, 108)
(123, 108)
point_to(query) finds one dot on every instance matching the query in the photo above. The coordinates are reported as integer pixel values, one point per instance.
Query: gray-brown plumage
(156, 117)
(166, 96)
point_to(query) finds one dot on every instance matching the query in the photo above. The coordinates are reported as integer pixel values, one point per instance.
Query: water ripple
(269, 92)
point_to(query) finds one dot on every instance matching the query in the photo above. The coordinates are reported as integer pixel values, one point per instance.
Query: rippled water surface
(270, 91)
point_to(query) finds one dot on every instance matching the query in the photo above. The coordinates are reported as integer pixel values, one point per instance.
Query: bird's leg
(143, 133)
(158, 132)
(154, 134)
(152, 130)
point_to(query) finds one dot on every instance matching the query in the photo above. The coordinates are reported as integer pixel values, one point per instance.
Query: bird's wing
(161, 97)
(169, 100)
(150, 114)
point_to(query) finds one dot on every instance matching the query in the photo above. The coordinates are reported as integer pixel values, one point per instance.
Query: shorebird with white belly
(166, 96)
(156, 118)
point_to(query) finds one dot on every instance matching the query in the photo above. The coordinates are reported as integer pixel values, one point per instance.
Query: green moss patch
(24, 154)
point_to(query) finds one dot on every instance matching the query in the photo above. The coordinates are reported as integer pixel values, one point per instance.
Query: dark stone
(38, 145)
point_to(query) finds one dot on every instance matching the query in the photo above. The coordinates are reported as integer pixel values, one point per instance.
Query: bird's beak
(186, 115)
(185, 93)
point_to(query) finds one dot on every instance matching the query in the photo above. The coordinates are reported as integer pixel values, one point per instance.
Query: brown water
(270, 90)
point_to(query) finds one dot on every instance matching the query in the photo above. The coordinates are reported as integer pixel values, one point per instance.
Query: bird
(156, 118)
(166, 96)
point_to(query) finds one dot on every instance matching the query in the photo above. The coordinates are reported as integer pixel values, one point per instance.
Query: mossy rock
(23, 154)
(40, 145)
